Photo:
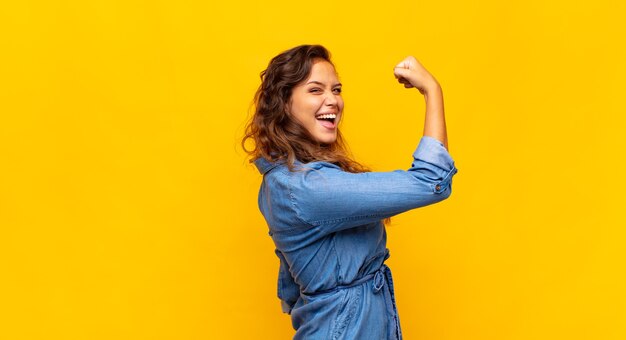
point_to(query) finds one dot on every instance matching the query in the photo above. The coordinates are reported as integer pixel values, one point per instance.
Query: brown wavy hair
(277, 136)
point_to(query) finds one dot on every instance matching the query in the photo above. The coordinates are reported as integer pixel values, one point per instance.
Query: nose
(331, 99)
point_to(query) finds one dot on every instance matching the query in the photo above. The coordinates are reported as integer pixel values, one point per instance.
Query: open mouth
(327, 120)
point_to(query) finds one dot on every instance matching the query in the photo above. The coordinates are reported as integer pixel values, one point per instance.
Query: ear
(288, 107)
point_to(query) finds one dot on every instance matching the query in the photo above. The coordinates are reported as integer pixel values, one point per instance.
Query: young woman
(324, 210)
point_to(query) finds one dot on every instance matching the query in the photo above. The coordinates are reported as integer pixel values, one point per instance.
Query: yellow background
(128, 210)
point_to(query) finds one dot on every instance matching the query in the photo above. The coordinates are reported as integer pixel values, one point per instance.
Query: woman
(324, 210)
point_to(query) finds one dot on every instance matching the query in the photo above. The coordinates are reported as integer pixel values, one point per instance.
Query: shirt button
(438, 187)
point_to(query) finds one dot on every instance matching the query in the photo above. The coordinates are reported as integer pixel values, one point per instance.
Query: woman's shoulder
(266, 166)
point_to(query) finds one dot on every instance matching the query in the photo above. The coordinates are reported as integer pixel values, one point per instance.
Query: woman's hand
(412, 74)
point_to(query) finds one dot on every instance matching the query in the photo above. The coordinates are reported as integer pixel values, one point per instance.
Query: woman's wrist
(432, 88)
(433, 92)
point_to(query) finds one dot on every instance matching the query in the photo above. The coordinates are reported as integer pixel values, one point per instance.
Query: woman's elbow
(447, 192)
(440, 193)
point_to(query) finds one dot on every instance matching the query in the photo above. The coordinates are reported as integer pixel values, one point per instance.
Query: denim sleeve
(331, 199)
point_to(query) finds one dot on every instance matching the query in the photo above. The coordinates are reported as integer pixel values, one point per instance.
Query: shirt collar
(264, 165)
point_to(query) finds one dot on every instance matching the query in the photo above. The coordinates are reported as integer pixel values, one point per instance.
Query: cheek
(312, 106)
(300, 107)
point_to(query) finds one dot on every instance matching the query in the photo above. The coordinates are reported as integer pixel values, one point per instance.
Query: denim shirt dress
(327, 227)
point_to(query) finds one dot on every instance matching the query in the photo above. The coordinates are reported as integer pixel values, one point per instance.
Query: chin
(327, 139)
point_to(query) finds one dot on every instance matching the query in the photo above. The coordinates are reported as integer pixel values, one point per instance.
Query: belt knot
(379, 280)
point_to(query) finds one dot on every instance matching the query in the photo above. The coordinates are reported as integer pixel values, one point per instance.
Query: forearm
(412, 74)
(434, 121)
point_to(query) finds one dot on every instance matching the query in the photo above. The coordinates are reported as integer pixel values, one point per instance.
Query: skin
(319, 93)
(412, 74)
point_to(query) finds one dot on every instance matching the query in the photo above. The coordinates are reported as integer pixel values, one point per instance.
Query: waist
(378, 277)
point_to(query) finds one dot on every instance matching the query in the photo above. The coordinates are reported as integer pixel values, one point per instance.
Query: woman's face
(317, 104)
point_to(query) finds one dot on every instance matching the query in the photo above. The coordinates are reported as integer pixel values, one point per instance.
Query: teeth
(332, 115)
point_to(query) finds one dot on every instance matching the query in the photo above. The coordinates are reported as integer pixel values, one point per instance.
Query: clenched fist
(412, 74)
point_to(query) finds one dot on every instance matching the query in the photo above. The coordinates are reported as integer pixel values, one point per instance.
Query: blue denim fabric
(327, 227)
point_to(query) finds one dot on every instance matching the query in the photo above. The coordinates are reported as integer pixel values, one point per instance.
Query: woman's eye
(318, 90)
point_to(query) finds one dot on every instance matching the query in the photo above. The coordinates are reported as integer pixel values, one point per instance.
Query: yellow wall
(127, 210)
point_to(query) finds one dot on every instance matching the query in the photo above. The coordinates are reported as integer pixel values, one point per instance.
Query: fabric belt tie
(379, 280)
(378, 277)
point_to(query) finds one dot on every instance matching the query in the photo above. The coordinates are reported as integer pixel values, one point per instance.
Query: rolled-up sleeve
(431, 156)
(326, 197)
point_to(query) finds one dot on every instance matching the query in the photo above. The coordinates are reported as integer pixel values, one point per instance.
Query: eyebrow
(320, 83)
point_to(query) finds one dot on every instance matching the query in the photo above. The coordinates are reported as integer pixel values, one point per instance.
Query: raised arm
(412, 74)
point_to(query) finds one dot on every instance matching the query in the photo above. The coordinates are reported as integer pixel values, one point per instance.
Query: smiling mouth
(328, 117)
